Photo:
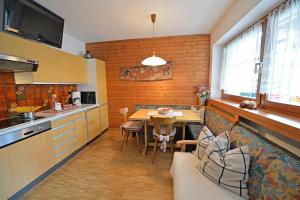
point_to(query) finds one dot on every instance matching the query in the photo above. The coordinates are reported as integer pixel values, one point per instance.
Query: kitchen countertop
(48, 117)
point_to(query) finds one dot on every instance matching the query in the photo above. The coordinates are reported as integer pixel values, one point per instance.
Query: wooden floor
(102, 171)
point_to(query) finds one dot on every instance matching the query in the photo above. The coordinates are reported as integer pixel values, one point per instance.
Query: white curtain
(281, 69)
(239, 59)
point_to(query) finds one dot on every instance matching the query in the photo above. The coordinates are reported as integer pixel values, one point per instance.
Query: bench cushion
(133, 125)
(216, 123)
(273, 173)
(189, 183)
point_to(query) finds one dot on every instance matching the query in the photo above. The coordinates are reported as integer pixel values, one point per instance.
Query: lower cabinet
(93, 123)
(104, 117)
(68, 135)
(24, 161)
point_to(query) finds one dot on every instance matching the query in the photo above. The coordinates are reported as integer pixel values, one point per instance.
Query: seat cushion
(189, 183)
(133, 125)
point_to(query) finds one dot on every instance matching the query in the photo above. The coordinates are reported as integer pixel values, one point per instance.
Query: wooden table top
(188, 115)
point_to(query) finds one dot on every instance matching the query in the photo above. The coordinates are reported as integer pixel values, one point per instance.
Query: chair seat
(133, 125)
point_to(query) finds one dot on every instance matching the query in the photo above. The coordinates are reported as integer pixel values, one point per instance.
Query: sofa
(274, 173)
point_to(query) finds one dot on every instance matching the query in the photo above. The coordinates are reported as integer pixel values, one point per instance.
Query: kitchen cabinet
(68, 135)
(55, 66)
(104, 117)
(101, 77)
(97, 83)
(23, 162)
(93, 123)
(16, 46)
(72, 69)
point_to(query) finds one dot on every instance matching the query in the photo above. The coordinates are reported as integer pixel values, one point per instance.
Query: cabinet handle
(27, 133)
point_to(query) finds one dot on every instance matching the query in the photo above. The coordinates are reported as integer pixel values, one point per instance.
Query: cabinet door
(81, 130)
(82, 70)
(104, 117)
(101, 76)
(93, 123)
(48, 64)
(24, 161)
(16, 46)
(72, 69)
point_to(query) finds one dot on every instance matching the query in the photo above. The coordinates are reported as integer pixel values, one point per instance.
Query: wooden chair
(131, 126)
(168, 130)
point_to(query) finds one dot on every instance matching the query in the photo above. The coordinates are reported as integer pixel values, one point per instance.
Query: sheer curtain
(239, 58)
(281, 70)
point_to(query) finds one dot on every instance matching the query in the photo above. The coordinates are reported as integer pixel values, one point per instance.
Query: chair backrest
(165, 121)
(123, 113)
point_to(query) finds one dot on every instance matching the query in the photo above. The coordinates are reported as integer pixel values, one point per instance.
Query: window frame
(261, 98)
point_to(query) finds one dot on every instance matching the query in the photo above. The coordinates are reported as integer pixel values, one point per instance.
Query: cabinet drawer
(66, 119)
(66, 152)
(62, 149)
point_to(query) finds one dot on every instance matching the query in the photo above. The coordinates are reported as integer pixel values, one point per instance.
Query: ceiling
(104, 20)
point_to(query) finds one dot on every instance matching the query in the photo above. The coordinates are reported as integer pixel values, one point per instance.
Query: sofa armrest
(182, 143)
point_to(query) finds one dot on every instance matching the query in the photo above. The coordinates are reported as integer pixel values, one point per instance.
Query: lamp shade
(153, 61)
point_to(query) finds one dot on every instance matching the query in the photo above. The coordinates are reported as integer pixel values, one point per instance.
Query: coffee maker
(76, 98)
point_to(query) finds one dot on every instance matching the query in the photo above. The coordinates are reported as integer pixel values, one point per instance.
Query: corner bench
(274, 173)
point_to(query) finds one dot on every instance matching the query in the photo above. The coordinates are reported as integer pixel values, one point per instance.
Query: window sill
(286, 125)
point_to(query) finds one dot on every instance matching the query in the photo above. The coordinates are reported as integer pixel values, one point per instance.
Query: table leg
(183, 131)
(145, 137)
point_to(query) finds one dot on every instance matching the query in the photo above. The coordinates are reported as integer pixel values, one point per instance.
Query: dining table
(182, 118)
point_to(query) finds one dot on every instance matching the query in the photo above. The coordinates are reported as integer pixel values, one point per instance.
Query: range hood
(17, 64)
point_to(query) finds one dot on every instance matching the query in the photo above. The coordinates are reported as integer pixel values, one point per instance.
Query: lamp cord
(153, 38)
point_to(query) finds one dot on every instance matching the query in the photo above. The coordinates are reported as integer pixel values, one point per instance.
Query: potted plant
(203, 93)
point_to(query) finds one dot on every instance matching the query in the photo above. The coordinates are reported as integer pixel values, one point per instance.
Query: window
(239, 76)
(279, 45)
(281, 70)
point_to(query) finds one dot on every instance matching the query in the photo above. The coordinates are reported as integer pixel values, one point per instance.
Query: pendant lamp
(153, 60)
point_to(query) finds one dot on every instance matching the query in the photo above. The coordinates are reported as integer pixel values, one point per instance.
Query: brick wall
(190, 57)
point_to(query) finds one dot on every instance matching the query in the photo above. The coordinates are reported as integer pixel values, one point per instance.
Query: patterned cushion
(206, 137)
(274, 173)
(133, 125)
(229, 170)
(216, 123)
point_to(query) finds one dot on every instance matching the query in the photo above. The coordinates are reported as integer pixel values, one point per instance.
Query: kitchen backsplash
(12, 95)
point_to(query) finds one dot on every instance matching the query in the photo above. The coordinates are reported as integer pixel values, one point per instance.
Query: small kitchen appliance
(76, 98)
(88, 97)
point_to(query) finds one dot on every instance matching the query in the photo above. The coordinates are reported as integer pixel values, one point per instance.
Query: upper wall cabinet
(101, 76)
(72, 69)
(55, 66)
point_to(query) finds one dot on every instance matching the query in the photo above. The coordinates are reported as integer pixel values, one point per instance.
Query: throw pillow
(206, 137)
(230, 171)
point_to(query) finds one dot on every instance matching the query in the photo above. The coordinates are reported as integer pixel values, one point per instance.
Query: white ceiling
(104, 20)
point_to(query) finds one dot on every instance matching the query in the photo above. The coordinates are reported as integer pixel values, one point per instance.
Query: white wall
(240, 16)
(73, 45)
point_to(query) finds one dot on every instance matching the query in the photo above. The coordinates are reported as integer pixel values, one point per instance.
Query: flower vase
(202, 100)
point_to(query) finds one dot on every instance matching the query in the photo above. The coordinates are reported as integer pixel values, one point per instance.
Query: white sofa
(190, 184)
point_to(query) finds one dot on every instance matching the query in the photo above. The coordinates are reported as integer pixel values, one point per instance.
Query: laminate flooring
(102, 171)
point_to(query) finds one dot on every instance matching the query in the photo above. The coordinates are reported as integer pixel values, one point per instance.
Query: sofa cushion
(216, 123)
(273, 173)
(189, 184)
(230, 171)
(206, 137)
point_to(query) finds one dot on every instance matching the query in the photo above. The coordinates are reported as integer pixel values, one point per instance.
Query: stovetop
(13, 121)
